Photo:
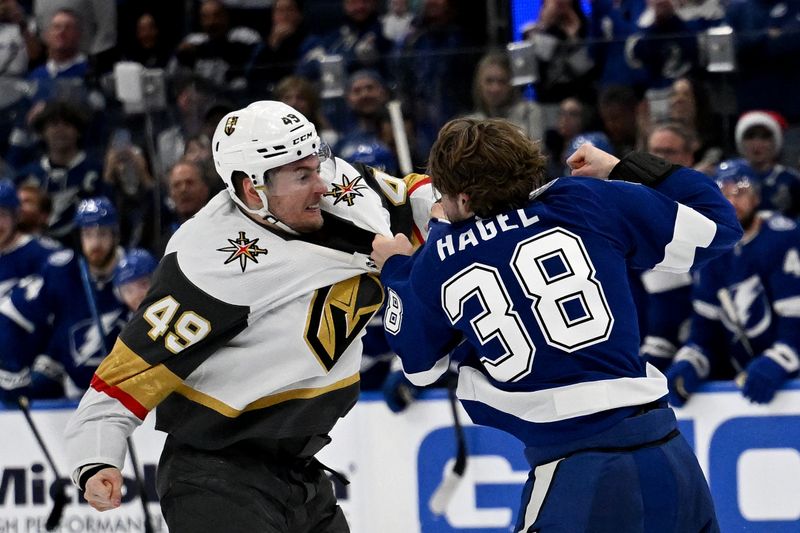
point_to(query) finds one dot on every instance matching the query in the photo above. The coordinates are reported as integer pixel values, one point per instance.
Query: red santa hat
(771, 120)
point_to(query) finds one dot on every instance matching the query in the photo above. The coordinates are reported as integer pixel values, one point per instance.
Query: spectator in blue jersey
(132, 275)
(666, 48)
(20, 254)
(759, 140)
(533, 279)
(62, 77)
(65, 171)
(359, 40)
(67, 310)
(746, 315)
(612, 22)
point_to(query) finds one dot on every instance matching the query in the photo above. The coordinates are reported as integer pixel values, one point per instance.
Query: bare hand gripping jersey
(248, 333)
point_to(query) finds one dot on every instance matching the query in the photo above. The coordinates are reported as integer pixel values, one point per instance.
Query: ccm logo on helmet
(302, 138)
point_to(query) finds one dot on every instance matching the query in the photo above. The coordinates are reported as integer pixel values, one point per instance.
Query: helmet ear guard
(263, 136)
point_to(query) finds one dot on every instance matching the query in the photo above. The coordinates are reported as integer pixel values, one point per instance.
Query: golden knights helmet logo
(230, 125)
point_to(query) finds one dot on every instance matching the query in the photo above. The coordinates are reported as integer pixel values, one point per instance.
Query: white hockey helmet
(262, 136)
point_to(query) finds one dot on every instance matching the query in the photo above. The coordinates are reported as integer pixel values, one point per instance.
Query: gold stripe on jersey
(267, 401)
(413, 180)
(126, 370)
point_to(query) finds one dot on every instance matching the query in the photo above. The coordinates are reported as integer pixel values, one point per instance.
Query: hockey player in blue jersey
(746, 306)
(666, 299)
(20, 254)
(132, 277)
(533, 277)
(51, 312)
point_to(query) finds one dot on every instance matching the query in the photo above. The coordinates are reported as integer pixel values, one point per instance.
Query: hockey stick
(400, 137)
(59, 496)
(447, 488)
(729, 308)
(87, 288)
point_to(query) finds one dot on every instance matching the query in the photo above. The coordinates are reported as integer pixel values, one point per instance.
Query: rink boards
(750, 454)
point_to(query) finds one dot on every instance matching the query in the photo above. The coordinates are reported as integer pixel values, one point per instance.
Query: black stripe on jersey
(225, 321)
(202, 427)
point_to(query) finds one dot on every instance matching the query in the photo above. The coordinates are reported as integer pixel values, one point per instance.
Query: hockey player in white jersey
(533, 277)
(248, 344)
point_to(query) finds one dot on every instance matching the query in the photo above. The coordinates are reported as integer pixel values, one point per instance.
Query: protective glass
(298, 177)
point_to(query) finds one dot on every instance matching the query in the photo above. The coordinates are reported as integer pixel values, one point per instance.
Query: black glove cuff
(644, 168)
(89, 472)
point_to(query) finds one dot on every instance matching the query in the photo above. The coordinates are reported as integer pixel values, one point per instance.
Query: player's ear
(249, 194)
(464, 204)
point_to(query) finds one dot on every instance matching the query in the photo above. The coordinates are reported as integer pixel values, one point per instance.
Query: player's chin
(311, 221)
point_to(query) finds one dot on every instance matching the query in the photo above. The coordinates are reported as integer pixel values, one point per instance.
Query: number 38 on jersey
(556, 273)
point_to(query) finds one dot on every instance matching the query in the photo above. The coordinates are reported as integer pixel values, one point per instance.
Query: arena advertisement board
(751, 456)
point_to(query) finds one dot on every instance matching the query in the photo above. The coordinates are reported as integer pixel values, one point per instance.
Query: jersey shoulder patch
(780, 223)
(60, 258)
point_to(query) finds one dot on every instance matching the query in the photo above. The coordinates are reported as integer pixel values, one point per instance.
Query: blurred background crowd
(702, 83)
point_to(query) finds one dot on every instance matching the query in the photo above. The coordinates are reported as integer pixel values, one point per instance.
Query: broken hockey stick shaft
(140, 488)
(59, 497)
(729, 308)
(447, 488)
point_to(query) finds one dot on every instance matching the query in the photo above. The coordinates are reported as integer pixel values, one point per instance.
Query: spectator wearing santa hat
(759, 140)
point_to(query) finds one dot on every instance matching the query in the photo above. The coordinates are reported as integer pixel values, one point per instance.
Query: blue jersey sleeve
(678, 226)
(783, 285)
(23, 323)
(707, 344)
(668, 302)
(415, 306)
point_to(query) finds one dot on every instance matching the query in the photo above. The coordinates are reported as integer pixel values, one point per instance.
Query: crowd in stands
(623, 75)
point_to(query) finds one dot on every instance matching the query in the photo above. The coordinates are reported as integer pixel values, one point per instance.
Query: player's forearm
(97, 432)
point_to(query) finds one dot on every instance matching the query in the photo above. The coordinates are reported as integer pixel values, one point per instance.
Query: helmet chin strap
(263, 212)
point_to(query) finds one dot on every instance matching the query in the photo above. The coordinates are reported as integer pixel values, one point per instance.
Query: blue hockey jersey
(668, 299)
(66, 187)
(753, 291)
(49, 313)
(26, 257)
(542, 295)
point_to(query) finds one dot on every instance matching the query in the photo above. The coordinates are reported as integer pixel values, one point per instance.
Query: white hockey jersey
(248, 333)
